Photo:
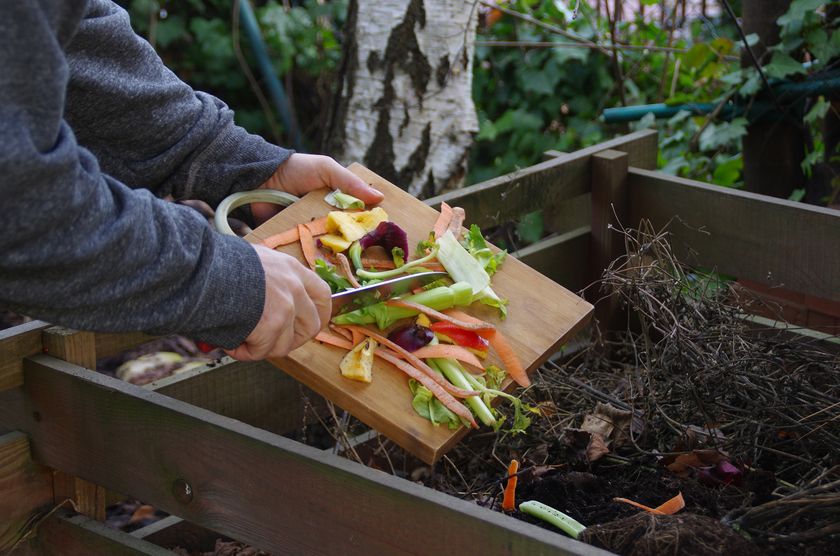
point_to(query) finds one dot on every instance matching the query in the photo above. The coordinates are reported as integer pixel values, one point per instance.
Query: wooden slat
(78, 535)
(569, 215)
(25, 488)
(563, 258)
(609, 213)
(171, 532)
(252, 485)
(16, 343)
(78, 348)
(543, 186)
(256, 393)
(768, 240)
(641, 147)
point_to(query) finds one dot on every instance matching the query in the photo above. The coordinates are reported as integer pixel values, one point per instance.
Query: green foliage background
(529, 100)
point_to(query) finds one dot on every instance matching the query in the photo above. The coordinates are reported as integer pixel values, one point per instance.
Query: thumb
(346, 181)
(241, 353)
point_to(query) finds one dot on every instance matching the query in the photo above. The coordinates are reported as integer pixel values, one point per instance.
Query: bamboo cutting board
(541, 316)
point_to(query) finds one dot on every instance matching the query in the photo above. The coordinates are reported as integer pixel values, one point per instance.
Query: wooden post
(609, 209)
(78, 348)
(773, 151)
(25, 488)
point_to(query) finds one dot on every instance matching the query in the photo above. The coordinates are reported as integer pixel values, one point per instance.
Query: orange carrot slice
(333, 339)
(509, 499)
(485, 333)
(318, 227)
(439, 392)
(343, 332)
(344, 265)
(670, 507)
(443, 351)
(474, 324)
(442, 223)
(502, 347)
(416, 362)
(509, 359)
(307, 244)
(283, 238)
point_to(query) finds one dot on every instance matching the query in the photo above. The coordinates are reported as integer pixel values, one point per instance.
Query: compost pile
(690, 398)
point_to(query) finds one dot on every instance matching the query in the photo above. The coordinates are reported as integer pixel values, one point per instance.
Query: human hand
(297, 305)
(303, 173)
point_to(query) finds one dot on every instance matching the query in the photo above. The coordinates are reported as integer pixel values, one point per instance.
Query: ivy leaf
(783, 65)
(818, 111)
(530, 228)
(728, 172)
(797, 10)
(752, 84)
(721, 135)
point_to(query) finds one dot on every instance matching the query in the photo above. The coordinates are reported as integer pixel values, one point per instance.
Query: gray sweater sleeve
(149, 129)
(80, 248)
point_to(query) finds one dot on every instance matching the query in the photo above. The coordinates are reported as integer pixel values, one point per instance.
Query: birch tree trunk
(405, 106)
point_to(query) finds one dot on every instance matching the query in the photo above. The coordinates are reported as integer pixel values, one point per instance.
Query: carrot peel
(509, 499)
(670, 507)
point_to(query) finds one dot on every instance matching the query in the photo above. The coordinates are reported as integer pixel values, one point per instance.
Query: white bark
(405, 108)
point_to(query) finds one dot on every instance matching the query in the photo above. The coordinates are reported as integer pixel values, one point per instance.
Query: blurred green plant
(195, 39)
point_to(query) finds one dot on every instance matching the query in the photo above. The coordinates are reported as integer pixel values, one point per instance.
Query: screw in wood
(182, 491)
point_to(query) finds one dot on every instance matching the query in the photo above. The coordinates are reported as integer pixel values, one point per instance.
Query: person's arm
(149, 129)
(81, 249)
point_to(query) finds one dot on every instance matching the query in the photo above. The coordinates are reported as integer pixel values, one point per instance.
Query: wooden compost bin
(206, 446)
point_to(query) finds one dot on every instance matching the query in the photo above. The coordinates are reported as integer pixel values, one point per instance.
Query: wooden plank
(108, 344)
(642, 148)
(254, 392)
(609, 213)
(569, 215)
(78, 348)
(246, 483)
(543, 186)
(564, 258)
(25, 488)
(535, 329)
(77, 535)
(771, 241)
(172, 532)
(16, 343)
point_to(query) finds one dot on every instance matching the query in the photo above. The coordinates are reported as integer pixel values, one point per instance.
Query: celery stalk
(443, 297)
(570, 526)
(460, 264)
(453, 372)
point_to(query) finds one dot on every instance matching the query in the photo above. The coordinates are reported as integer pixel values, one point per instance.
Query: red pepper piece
(464, 338)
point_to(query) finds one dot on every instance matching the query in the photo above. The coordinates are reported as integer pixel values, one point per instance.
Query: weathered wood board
(542, 315)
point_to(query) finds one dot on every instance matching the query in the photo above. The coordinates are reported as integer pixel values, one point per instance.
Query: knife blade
(381, 291)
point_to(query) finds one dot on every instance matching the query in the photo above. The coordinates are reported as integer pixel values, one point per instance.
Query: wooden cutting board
(542, 315)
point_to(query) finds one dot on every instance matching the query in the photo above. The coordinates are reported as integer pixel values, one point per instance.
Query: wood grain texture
(249, 391)
(16, 343)
(609, 213)
(564, 258)
(771, 241)
(25, 488)
(544, 186)
(542, 315)
(78, 348)
(77, 535)
(246, 483)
